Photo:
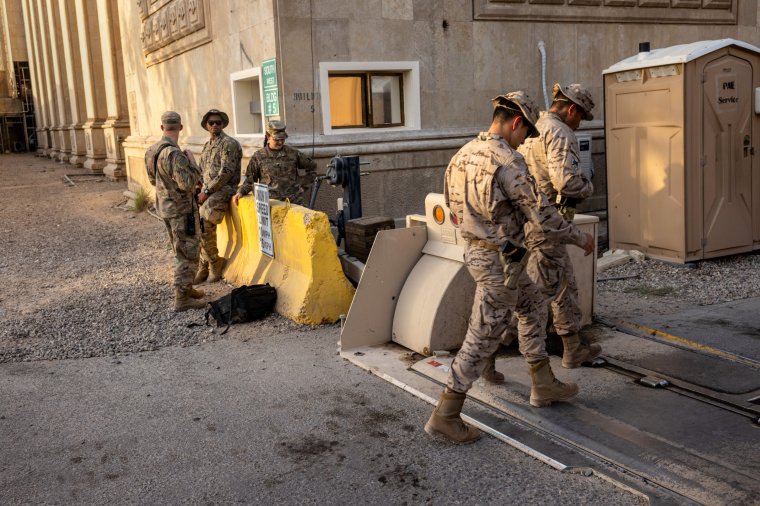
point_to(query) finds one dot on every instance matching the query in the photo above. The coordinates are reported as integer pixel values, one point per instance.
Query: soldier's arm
(565, 167)
(184, 173)
(252, 174)
(230, 162)
(305, 163)
(543, 222)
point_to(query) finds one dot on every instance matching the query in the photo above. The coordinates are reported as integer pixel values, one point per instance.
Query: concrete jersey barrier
(305, 270)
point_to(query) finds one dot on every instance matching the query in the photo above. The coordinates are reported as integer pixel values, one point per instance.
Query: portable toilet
(681, 127)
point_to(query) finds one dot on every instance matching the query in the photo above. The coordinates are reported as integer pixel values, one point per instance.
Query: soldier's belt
(483, 244)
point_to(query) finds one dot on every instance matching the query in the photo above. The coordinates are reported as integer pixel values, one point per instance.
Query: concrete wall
(467, 51)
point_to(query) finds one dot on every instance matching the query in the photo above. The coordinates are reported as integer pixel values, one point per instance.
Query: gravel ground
(82, 276)
(656, 287)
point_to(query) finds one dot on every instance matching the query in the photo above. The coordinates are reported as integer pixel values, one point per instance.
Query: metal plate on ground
(666, 438)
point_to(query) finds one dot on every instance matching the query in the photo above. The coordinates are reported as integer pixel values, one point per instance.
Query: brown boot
(183, 302)
(217, 267)
(490, 374)
(195, 294)
(202, 274)
(446, 422)
(577, 352)
(546, 388)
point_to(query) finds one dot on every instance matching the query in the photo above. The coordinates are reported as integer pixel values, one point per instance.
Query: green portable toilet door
(727, 156)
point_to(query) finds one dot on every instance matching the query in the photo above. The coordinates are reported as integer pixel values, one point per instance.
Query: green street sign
(271, 91)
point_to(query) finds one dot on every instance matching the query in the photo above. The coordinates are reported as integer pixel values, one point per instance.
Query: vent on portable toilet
(587, 164)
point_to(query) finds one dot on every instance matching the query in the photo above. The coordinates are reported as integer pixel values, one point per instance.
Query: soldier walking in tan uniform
(288, 172)
(489, 190)
(175, 175)
(553, 159)
(220, 163)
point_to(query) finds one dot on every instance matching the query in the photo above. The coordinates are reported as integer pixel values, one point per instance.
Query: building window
(369, 95)
(366, 100)
(247, 98)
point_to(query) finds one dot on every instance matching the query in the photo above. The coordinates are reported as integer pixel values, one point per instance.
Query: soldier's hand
(235, 198)
(589, 247)
(202, 197)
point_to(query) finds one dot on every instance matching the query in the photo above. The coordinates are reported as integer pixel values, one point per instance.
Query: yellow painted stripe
(692, 344)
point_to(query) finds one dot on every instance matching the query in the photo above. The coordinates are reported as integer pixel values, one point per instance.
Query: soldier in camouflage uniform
(175, 176)
(288, 172)
(553, 159)
(220, 163)
(489, 190)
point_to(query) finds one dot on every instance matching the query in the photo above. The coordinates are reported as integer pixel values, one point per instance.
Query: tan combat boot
(577, 352)
(490, 374)
(546, 388)
(183, 302)
(202, 274)
(446, 422)
(217, 267)
(195, 294)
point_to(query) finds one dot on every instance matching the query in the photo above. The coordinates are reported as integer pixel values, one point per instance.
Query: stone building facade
(402, 83)
(75, 54)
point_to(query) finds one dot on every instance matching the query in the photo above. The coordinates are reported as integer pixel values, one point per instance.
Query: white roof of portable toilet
(676, 54)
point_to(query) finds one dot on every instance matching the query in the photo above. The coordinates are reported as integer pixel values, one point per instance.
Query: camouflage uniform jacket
(553, 158)
(174, 177)
(220, 163)
(287, 172)
(488, 187)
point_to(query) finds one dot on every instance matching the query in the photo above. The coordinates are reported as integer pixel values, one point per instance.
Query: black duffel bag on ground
(242, 304)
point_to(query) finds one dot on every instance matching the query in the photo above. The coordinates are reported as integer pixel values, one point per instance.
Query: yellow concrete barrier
(305, 270)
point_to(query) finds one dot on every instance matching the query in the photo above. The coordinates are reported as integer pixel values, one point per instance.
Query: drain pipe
(542, 50)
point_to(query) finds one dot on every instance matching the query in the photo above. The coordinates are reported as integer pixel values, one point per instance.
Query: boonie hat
(276, 129)
(577, 94)
(171, 118)
(212, 112)
(521, 102)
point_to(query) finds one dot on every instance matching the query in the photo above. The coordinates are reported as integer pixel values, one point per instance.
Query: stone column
(75, 87)
(117, 125)
(44, 104)
(92, 84)
(57, 57)
(46, 61)
(35, 77)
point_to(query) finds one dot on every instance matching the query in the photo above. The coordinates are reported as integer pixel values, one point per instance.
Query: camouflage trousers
(492, 308)
(185, 251)
(212, 211)
(552, 271)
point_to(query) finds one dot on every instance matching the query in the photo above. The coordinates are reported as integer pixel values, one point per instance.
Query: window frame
(410, 94)
(250, 74)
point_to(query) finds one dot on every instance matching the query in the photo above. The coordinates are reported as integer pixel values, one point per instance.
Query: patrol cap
(577, 94)
(212, 112)
(276, 129)
(519, 101)
(171, 118)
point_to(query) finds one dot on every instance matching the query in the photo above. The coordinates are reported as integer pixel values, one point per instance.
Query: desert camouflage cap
(217, 112)
(276, 129)
(171, 118)
(520, 101)
(577, 94)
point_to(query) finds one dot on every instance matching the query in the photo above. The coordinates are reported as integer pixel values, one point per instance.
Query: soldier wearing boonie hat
(488, 188)
(175, 175)
(288, 172)
(554, 161)
(220, 162)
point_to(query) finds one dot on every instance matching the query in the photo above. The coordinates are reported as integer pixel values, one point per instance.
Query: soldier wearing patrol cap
(220, 163)
(553, 159)
(288, 172)
(488, 188)
(175, 175)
